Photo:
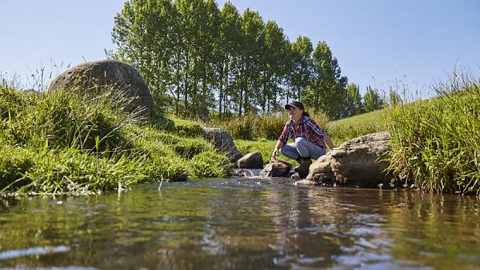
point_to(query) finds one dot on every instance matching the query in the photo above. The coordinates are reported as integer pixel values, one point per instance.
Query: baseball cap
(294, 103)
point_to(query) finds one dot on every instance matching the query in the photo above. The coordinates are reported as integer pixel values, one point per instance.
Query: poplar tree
(328, 89)
(300, 76)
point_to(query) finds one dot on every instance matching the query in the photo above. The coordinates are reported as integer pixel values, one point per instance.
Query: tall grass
(64, 142)
(253, 126)
(436, 143)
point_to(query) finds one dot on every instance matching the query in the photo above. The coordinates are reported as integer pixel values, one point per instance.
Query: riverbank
(63, 143)
(54, 143)
(435, 143)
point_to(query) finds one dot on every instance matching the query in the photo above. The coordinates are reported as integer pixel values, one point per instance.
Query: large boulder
(99, 76)
(321, 171)
(358, 162)
(223, 142)
(361, 161)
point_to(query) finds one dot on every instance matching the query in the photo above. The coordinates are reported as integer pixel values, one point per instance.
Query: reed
(435, 143)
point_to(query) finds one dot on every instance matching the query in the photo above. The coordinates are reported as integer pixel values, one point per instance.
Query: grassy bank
(436, 143)
(65, 143)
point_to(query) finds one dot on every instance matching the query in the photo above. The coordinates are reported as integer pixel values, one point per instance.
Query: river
(242, 223)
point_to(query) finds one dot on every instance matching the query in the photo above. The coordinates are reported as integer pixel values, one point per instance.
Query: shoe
(304, 167)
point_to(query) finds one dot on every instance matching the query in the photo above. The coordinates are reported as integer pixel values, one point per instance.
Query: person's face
(295, 112)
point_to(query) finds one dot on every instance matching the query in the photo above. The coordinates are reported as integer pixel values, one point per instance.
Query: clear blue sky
(377, 42)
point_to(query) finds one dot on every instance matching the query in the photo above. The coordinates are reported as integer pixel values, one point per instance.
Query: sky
(398, 43)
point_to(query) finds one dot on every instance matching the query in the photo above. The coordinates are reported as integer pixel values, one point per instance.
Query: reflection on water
(242, 224)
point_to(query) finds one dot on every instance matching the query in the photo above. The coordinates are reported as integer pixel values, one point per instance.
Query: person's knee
(300, 141)
(301, 145)
(289, 151)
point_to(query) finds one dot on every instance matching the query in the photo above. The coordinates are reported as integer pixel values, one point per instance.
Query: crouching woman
(310, 140)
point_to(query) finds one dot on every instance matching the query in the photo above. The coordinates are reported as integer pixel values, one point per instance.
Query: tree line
(198, 59)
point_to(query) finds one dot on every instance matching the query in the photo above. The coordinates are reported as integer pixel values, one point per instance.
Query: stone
(304, 182)
(98, 77)
(360, 162)
(279, 168)
(223, 142)
(251, 161)
(321, 165)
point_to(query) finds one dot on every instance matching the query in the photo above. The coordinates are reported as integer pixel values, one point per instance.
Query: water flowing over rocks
(100, 76)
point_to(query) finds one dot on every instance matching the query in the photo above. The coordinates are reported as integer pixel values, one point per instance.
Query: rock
(358, 162)
(223, 142)
(279, 168)
(107, 75)
(323, 178)
(304, 182)
(251, 161)
(322, 165)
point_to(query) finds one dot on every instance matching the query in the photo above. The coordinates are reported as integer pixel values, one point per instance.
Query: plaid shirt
(307, 129)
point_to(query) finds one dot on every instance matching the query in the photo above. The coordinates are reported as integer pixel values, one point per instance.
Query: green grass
(352, 127)
(65, 143)
(62, 142)
(435, 143)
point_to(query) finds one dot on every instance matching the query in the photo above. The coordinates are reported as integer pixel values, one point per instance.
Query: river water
(242, 224)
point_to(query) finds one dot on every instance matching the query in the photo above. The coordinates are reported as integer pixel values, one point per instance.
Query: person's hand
(274, 154)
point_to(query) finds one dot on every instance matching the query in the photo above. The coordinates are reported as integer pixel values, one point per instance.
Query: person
(310, 140)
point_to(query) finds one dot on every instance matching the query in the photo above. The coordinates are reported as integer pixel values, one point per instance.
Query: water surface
(242, 224)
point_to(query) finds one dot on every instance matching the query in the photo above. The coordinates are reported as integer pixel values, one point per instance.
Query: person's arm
(329, 142)
(282, 139)
(277, 148)
(321, 133)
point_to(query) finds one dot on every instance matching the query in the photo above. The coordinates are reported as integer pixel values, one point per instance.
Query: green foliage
(251, 126)
(435, 143)
(210, 59)
(353, 103)
(186, 128)
(300, 75)
(372, 100)
(328, 90)
(14, 163)
(211, 164)
(60, 119)
(44, 171)
(65, 143)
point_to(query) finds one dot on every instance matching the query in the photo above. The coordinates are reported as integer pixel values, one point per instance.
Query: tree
(328, 89)
(140, 32)
(301, 67)
(273, 66)
(195, 58)
(248, 82)
(372, 100)
(229, 61)
(353, 103)
(394, 98)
